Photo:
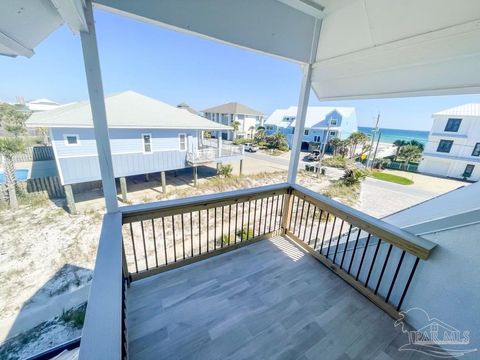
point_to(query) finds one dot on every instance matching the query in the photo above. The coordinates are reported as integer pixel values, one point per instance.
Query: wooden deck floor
(268, 300)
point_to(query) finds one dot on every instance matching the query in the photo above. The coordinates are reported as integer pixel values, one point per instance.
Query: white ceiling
(366, 48)
(378, 48)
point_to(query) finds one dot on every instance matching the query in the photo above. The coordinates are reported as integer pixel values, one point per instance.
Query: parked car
(249, 147)
(313, 156)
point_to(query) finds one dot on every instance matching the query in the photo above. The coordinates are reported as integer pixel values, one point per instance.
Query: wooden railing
(164, 235)
(376, 258)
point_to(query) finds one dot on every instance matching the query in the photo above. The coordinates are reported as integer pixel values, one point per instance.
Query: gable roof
(472, 109)
(315, 115)
(125, 110)
(233, 108)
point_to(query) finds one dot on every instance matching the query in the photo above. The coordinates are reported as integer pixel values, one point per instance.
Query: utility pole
(374, 132)
(376, 149)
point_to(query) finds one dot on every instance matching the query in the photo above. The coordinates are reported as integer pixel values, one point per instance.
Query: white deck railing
(213, 153)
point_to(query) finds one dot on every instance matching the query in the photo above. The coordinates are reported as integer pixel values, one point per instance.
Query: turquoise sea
(390, 135)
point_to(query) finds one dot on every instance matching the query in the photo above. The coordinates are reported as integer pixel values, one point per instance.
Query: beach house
(322, 123)
(248, 119)
(146, 136)
(281, 271)
(453, 147)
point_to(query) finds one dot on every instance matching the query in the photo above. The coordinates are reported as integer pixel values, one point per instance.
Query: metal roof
(472, 109)
(366, 48)
(125, 110)
(233, 108)
(316, 116)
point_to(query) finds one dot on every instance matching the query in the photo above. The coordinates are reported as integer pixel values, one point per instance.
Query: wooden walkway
(268, 300)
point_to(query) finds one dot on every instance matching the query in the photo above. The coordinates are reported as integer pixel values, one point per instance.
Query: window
(445, 146)
(333, 122)
(71, 140)
(182, 142)
(468, 170)
(147, 143)
(333, 133)
(305, 132)
(453, 125)
(476, 150)
(316, 138)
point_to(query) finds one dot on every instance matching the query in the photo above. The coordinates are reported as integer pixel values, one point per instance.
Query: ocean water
(390, 135)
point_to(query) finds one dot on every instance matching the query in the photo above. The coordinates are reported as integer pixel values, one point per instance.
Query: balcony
(253, 273)
(214, 151)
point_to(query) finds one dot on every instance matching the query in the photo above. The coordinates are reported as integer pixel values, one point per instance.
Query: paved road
(378, 198)
(279, 160)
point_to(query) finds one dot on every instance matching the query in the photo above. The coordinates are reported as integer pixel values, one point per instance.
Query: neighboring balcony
(272, 273)
(214, 151)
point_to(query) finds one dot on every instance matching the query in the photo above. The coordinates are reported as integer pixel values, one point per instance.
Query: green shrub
(244, 234)
(381, 163)
(226, 239)
(336, 161)
(241, 141)
(225, 170)
(353, 176)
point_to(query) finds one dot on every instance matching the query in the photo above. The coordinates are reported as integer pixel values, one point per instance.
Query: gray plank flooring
(268, 300)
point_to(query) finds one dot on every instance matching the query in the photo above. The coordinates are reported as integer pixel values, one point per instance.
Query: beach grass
(391, 178)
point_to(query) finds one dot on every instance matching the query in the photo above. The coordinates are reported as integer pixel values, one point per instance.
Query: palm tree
(335, 143)
(399, 144)
(410, 153)
(357, 138)
(417, 144)
(252, 131)
(279, 141)
(236, 126)
(9, 146)
(13, 122)
(260, 136)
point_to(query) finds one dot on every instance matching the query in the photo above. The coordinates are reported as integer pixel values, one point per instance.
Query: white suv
(249, 147)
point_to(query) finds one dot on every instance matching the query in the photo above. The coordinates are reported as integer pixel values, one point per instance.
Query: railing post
(287, 210)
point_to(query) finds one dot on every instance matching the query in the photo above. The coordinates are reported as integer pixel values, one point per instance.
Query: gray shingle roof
(233, 108)
(125, 110)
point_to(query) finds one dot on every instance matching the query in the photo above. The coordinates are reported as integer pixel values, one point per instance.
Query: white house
(146, 136)
(227, 114)
(321, 124)
(453, 147)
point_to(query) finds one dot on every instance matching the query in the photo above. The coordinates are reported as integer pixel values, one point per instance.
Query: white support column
(303, 106)
(300, 123)
(97, 105)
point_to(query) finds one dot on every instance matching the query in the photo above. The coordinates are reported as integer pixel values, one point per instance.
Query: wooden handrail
(102, 334)
(392, 234)
(181, 206)
(402, 239)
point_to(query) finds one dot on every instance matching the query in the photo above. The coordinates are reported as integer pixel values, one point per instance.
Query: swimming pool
(20, 174)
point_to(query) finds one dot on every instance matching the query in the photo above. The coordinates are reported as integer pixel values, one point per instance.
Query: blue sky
(175, 67)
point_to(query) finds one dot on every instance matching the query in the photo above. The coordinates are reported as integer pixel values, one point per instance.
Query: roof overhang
(366, 48)
(378, 48)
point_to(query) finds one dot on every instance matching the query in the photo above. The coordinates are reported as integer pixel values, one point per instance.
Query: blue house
(146, 136)
(322, 124)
